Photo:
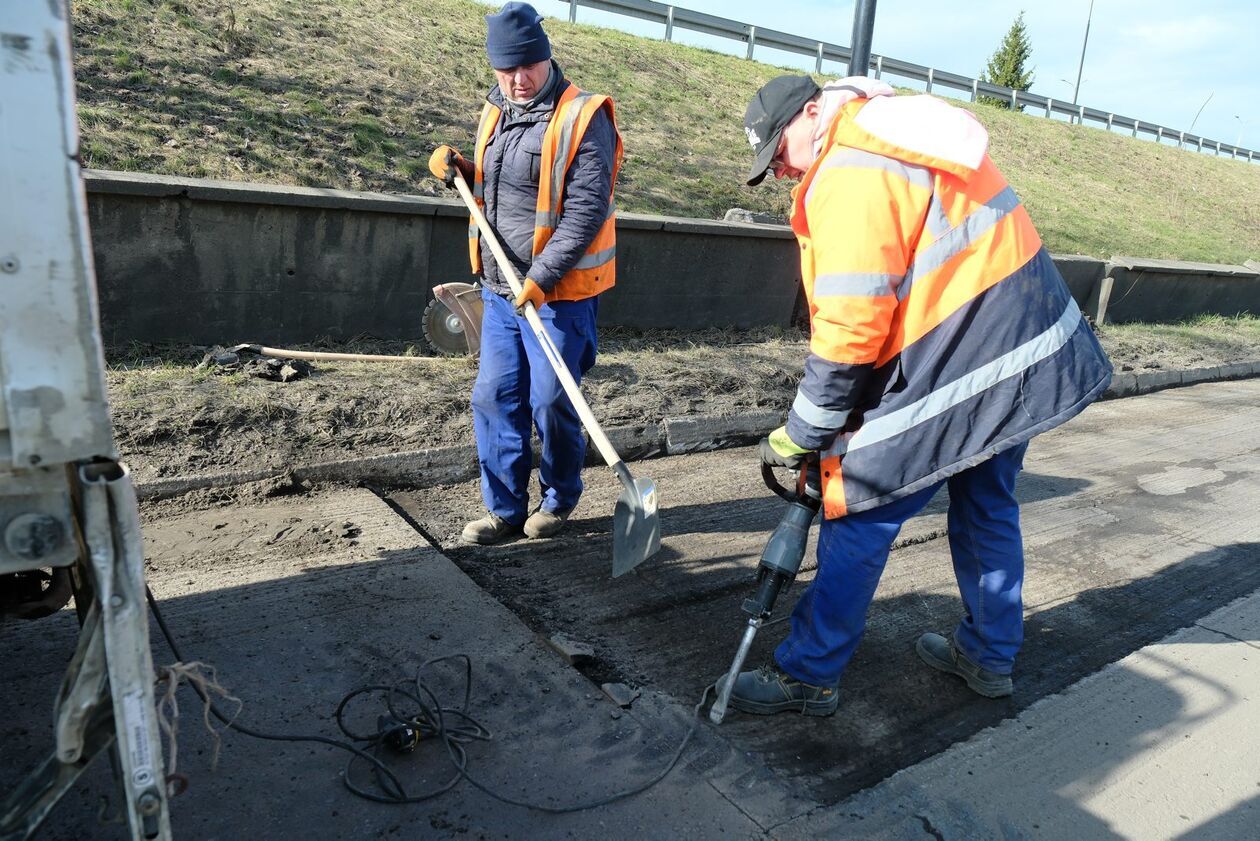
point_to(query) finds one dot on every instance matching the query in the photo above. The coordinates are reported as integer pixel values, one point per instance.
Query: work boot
(489, 529)
(545, 523)
(942, 654)
(767, 690)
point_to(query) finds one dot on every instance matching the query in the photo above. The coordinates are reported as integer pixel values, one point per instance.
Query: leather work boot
(488, 530)
(767, 690)
(942, 654)
(545, 523)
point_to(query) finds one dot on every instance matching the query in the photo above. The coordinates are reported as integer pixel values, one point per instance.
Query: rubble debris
(219, 357)
(574, 652)
(232, 361)
(752, 217)
(277, 370)
(621, 695)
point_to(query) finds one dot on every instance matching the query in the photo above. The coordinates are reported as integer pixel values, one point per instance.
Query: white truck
(68, 519)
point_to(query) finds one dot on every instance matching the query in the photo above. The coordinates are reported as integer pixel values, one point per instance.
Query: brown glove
(532, 293)
(445, 163)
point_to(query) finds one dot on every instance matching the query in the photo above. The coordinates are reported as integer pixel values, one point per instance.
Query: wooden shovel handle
(598, 438)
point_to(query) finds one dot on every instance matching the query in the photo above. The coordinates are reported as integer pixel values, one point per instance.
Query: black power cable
(429, 719)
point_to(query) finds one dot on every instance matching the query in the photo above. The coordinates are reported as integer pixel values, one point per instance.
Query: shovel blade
(636, 526)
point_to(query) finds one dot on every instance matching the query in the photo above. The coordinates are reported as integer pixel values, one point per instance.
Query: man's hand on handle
(531, 293)
(445, 162)
(778, 450)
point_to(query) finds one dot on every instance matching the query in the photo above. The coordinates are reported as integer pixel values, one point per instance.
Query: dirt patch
(172, 418)
(1206, 342)
(241, 497)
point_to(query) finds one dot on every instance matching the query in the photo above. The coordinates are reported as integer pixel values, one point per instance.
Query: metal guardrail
(754, 36)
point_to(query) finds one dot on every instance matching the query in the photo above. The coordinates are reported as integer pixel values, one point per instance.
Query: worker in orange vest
(546, 158)
(942, 339)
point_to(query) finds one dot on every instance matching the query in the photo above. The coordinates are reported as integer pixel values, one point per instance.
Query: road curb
(438, 466)
(673, 436)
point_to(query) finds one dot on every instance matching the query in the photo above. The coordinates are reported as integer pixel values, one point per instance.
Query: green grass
(355, 94)
(1236, 337)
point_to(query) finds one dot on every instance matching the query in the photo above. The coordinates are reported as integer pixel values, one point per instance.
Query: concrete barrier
(218, 262)
(1136, 289)
(1082, 275)
(191, 260)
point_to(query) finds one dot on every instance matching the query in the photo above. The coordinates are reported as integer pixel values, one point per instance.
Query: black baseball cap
(773, 107)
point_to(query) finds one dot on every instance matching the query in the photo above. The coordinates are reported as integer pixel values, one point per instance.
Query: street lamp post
(1081, 67)
(1238, 139)
(860, 44)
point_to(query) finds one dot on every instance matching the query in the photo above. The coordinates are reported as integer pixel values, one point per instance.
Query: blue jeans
(516, 385)
(988, 553)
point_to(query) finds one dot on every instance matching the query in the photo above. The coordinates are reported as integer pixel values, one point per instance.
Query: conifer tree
(1006, 66)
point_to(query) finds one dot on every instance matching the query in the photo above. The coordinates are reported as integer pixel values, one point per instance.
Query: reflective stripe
(965, 387)
(955, 241)
(855, 283)
(551, 220)
(858, 159)
(937, 222)
(473, 233)
(488, 112)
(599, 258)
(560, 163)
(815, 415)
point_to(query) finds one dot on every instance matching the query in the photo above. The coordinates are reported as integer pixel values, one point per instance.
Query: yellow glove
(532, 293)
(779, 450)
(445, 163)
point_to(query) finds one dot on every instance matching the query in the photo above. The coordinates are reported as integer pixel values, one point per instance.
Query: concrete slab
(1148, 748)
(1139, 519)
(296, 602)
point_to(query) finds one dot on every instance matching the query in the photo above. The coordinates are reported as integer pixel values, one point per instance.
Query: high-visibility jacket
(596, 270)
(941, 331)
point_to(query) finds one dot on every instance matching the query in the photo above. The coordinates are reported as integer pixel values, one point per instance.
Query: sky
(1157, 61)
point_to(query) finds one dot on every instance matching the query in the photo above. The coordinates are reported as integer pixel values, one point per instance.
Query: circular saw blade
(444, 330)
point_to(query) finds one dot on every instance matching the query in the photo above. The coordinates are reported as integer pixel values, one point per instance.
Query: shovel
(636, 527)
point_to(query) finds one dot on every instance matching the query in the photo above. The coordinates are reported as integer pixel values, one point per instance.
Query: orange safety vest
(596, 271)
(942, 285)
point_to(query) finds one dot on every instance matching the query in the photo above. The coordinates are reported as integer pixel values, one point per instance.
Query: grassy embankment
(355, 93)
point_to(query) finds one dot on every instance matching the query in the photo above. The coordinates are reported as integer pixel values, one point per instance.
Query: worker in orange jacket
(942, 339)
(542, 171)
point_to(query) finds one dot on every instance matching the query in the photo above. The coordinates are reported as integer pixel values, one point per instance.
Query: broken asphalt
(1136, 690)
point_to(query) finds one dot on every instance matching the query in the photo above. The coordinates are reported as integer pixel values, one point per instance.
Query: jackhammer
(780, 561)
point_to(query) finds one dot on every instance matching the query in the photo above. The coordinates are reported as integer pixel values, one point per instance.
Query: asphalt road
(1139, 518)
(1139, 521)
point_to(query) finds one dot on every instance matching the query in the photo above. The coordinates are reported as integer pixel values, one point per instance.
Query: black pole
(863, 26)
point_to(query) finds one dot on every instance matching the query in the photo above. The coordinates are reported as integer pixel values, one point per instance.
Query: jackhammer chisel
(780, 561)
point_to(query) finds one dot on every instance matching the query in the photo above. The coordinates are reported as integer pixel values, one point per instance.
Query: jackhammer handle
(808, 482)
(772, 482)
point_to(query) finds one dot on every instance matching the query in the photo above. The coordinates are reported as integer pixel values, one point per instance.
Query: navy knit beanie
(515, 36)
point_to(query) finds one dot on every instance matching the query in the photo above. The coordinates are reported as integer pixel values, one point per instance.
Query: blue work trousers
(988, 553)
(517, 386)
